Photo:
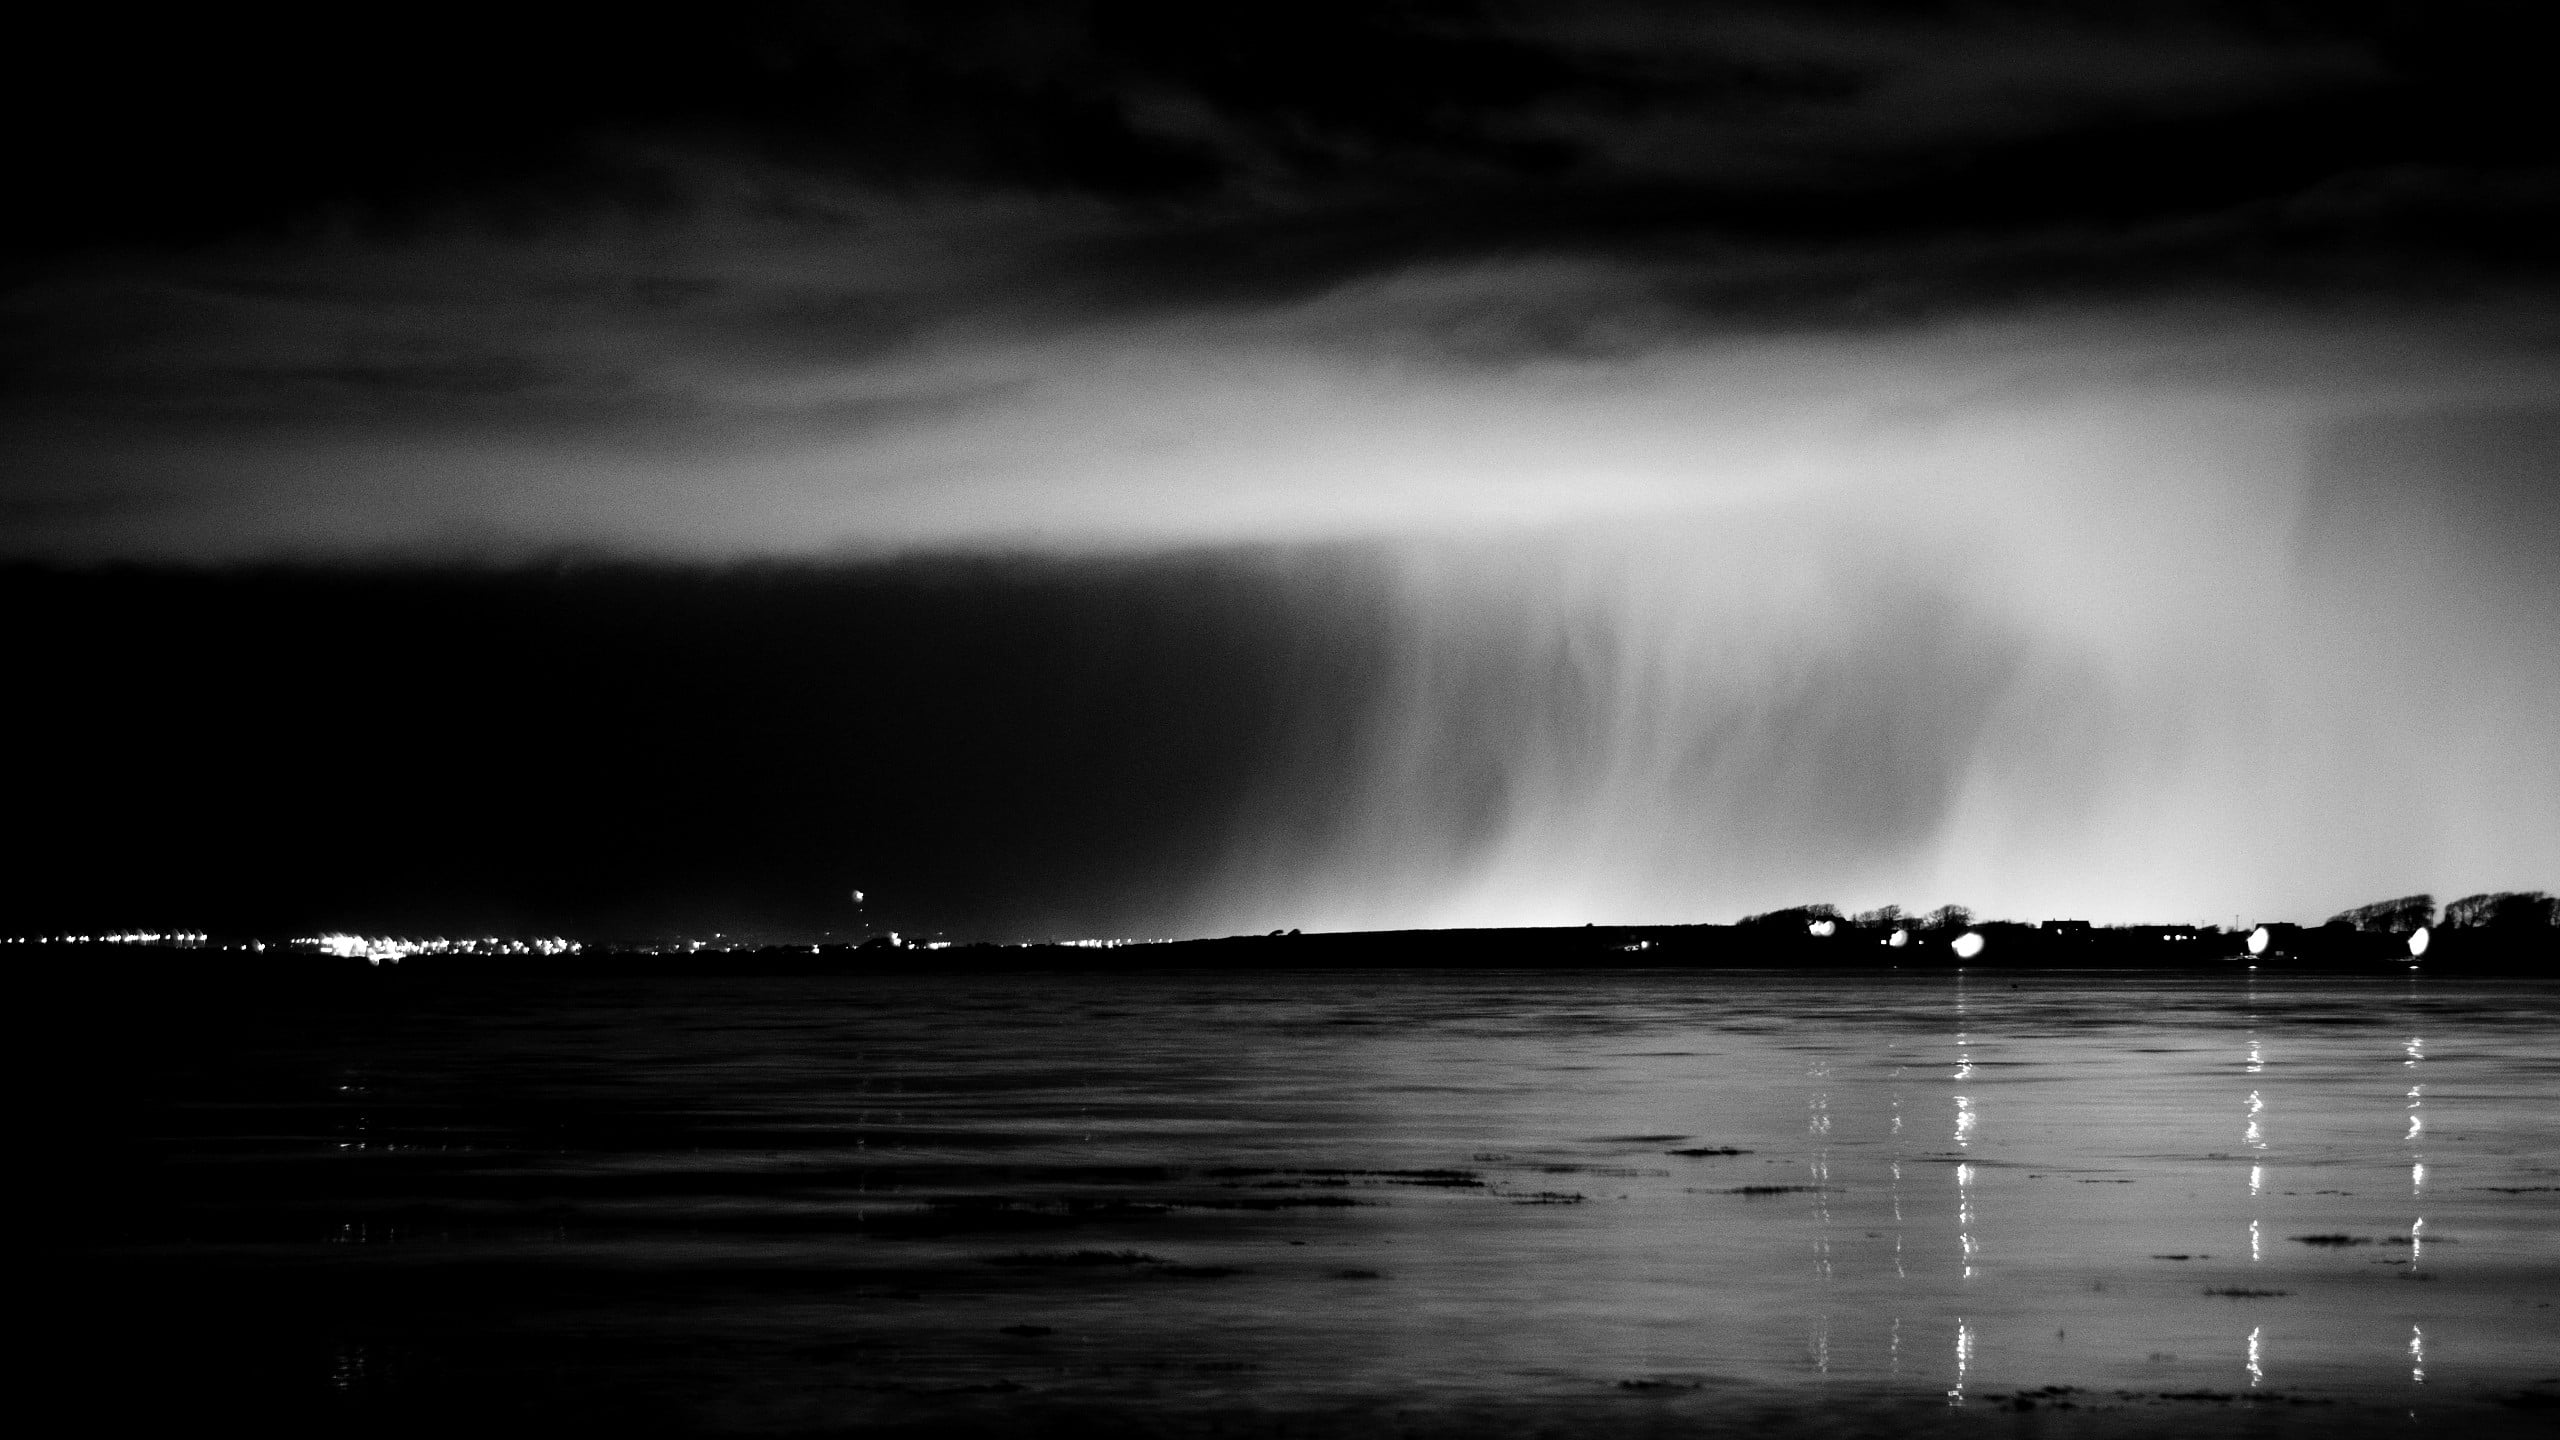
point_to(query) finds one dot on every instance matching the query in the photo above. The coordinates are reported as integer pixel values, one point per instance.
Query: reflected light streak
(2257, 1357)
(1818, 1124)
(1964, 1361)
(1898, 1272)
(2417, 1356)
(1964, 1217)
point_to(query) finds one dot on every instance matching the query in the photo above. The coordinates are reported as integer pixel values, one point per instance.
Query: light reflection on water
(1442, 1185)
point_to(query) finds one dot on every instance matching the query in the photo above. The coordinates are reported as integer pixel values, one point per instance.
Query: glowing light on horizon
(391, 950)
(1967, 945)
(2259, 939)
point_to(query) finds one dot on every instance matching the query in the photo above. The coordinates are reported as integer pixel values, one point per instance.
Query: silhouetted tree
(2389, 917)
(1947, 917)
(1879, 917)
(2502, 910)
(1794, 915)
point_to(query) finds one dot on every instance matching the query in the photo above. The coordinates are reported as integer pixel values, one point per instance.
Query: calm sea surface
(1887, 1202)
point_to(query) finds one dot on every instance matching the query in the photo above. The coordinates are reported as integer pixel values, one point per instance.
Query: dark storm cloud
(1794, 448)
(585, 225)
(1377, 132)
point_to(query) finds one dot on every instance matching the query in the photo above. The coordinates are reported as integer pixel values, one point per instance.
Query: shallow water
(784, 1204)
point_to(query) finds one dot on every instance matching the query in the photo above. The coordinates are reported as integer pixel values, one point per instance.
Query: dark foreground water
(1461, 1203)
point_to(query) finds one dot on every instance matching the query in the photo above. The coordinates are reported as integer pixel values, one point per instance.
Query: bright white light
(2259, 940)
(1900, 939)
(2418, 942)
(1822, 927)
(1967, 945)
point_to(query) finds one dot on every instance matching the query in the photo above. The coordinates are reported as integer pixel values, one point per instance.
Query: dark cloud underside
(1616, 459)
(2328, 132)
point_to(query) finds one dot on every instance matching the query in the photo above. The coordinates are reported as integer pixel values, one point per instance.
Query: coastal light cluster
(180, 939)
(384, 948)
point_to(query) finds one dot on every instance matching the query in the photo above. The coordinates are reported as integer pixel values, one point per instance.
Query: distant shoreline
(2004, 946)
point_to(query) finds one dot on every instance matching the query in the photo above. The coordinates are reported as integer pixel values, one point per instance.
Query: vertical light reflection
(1964, 1056)
(2255, 1137)
(1817, 1127)
(1964, 1361)
(2417, 1355)
(2257, 1357)
(1898, 1272)
(1893, 1348)
(1964, 1216)
(2413, 1053)
(1964, 1122)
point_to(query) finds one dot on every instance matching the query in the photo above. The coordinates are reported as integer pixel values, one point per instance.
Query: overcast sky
(2064, 456)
